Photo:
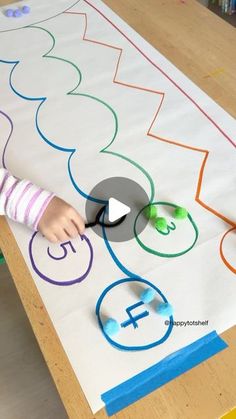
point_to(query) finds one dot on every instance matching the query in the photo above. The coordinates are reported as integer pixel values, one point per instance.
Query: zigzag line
(199, 150)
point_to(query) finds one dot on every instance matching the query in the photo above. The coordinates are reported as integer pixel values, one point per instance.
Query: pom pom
(180, 213)
(150, 212)
(164, 309)
(111, 327)
(9, 12)
(147, 295)
(17, 13)
(161, 224)
(25, 10)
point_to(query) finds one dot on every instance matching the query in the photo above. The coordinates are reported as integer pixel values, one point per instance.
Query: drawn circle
(127, 192)
(112, 340)
(170, 253)
(228, 249)
(54, 281)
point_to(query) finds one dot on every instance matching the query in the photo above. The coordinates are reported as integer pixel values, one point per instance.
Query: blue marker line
(72, 151)
(133, 320)
(135, 347)
(42, 100)
(114, 257)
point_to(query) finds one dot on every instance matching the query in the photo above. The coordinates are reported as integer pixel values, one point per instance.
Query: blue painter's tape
(159, 374)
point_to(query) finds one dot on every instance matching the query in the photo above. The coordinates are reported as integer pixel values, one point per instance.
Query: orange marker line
(199, 150)
(229, 266)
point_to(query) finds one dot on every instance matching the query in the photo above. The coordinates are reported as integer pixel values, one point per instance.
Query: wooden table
(203, 46)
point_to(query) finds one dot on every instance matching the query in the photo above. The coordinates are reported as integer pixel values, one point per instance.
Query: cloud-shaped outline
(72, 151)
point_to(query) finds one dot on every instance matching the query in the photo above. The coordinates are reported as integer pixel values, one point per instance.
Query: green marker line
(72, 92)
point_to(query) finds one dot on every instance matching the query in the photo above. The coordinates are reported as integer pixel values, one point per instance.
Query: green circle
(155, 252)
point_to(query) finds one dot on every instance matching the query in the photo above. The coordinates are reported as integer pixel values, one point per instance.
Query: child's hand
(60, 221)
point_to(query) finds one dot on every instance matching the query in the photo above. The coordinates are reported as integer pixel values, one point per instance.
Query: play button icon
(116, 210)
(116, 198)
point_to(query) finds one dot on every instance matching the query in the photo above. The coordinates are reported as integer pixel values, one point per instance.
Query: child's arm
(40, 210)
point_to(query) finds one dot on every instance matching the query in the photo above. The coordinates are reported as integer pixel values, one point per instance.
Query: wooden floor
(26, 388)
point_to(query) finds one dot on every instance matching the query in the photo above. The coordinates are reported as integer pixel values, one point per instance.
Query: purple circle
(25, 10)
(62, 283)
(9, 12)
(17, 13)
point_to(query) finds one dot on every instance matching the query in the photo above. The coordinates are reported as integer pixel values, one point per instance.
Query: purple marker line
(3, 181)
(4, 150)
(54, 281)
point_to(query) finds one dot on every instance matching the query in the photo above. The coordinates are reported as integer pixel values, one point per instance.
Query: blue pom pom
(164, 309)
(9, 12)
(111, 327)
(17, 13)
(147, 295)
(25, 10)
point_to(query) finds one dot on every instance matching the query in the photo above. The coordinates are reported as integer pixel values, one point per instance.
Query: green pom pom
(161, 224)
(150, 212)
(180, 213)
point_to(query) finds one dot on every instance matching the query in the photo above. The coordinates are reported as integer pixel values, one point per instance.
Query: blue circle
(132, 348)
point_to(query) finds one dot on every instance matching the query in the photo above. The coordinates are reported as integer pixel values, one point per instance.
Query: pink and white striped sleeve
(22, 201)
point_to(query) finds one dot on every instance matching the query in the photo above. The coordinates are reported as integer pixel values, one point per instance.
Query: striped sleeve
(22, 201)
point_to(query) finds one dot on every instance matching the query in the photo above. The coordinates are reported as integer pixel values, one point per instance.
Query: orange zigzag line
(199, 150)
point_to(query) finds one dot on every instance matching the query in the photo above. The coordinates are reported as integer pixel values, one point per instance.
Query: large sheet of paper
(83, 98)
